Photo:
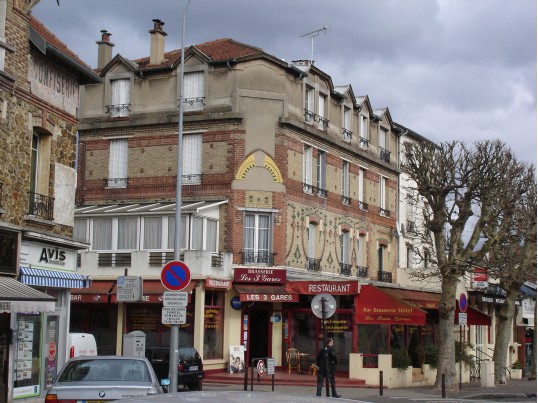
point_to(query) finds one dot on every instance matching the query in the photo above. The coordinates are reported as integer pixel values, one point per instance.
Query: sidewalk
(357, 389)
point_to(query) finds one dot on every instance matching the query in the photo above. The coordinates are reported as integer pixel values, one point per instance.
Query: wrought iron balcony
(363, 205)
(346, 200)
(313, 264)
(194, 104)
(384, 154)
(384, 276)
(383, 212)
(345, 269)
(311, 117)
(347, 135)
(191, 179)
(263, 258)
(311, 189)
(118, 110)
(362, 271)
(117, 182)
(41, 206)
(363, 142)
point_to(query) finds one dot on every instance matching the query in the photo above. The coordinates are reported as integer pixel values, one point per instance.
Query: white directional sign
(175, 298)
(174, 315)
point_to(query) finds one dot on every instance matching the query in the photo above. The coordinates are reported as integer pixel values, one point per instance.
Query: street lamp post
(174, 330)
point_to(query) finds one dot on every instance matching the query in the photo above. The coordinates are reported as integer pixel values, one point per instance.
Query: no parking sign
(175, 275)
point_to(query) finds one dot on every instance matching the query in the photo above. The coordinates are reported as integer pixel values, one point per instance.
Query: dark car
(190, 368)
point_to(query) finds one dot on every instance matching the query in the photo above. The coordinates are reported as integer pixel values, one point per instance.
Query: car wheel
(193, 386)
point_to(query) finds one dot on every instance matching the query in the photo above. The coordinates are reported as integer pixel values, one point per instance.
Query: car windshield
(105, 370)
(187, 354)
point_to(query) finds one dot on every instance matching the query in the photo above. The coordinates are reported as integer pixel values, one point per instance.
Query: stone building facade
(289, 186)
(39, 95)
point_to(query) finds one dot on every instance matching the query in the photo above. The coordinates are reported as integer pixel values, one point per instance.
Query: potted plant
(517, 371)
(400, 359)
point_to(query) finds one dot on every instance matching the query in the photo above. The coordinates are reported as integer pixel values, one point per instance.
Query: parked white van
(81, 344)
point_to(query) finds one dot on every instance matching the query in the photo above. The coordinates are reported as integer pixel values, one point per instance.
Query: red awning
(153, 291)
(375, 306)
(474, 317)
(421, 299)
(98, 292)
(264, 293)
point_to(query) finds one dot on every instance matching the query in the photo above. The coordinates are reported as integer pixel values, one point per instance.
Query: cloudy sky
(448, 69)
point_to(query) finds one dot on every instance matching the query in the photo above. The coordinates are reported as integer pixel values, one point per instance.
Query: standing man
(326, 361)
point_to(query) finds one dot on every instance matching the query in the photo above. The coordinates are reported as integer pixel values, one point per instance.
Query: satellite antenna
(312, 35)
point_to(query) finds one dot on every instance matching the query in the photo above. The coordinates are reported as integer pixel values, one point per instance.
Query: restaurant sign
(326, 287)
(259, 275)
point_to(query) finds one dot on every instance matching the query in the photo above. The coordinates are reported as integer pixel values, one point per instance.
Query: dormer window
(364, 132)
(347, 133)
(310, 114)
(194, 99)
(121, 98)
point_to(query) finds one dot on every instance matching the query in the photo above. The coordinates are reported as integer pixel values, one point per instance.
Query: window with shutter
(192, 159)
(117, 164)
(121, 98)
(193, 95)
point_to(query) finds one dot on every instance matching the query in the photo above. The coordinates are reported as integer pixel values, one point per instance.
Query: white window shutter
(117, 165)
(192, 159)
(194, 91)
(121, 98)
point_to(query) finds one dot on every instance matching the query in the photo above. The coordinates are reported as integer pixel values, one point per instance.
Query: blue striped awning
(53, 278)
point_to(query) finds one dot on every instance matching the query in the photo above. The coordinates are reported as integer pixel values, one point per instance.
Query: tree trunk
(447, 356)
(504, 330)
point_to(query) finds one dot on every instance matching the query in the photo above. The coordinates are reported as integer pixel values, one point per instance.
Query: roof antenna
(312, 35)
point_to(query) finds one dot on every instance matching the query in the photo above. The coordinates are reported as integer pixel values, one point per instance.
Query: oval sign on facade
(463, 302)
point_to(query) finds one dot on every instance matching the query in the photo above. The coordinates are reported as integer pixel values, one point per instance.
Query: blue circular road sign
(175, 275)
(463, 302)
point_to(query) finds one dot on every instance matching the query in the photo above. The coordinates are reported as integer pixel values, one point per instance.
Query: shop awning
(420, 299)
(474, 317)
(98, 292)
(265, 293)
(53, 278)
(18, 297)
(375, 306)
(153, 291)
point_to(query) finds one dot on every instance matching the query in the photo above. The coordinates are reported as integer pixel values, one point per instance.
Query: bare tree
(512, 252)
(460, 186)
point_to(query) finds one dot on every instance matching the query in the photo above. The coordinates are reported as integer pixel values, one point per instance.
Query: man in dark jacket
(326, 361)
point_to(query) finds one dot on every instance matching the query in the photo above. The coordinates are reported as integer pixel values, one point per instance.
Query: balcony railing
(363, 205)
(117, 182)
(191, 179)
(384, 276)
(346, 200)
(410, 226)
(345, 269)
(311, 189)
(114, 260)
(363, 142)
(384, 154)
(193, 104)
(362, 271)
(311, 117)
(159, 259)
(383, 212)
(118, 110)
(313, 264)
(262, 258)
(347, 135)
(41, 206)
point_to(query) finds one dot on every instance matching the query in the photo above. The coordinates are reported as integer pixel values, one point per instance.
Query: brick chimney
(104, 49)
(157, 43)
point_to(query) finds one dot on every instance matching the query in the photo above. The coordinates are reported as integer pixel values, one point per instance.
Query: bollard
(443, 389)
(380, 383)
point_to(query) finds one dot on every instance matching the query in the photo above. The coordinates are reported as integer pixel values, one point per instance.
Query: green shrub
(516, 365)
(431, 355)
(400, 359)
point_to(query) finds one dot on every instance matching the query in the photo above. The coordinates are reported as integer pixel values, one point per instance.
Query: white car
(104, 378)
